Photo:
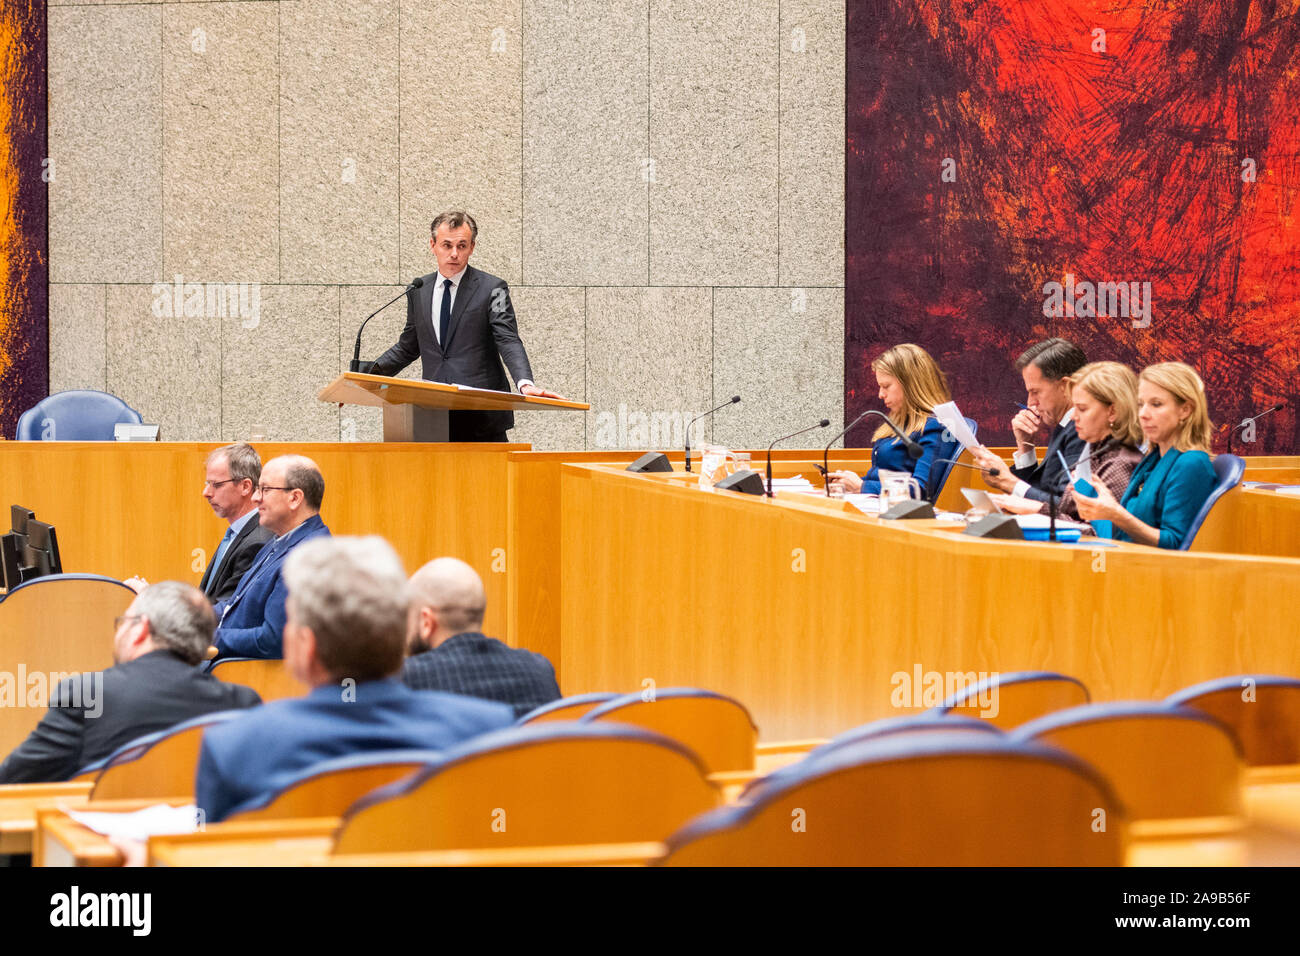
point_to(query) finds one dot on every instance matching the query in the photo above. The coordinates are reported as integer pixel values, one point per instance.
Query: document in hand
(949, 416)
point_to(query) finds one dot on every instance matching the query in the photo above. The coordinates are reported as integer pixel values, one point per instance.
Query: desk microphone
(731, 401)
(821, 424)
(356, 353)
(992, 472)
(1236, 428)
(914, 451)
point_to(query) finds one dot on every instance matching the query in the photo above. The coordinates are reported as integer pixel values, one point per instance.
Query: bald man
(449, 652)
(288, 498)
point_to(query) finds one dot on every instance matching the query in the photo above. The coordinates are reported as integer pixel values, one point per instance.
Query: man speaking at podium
(461, 324)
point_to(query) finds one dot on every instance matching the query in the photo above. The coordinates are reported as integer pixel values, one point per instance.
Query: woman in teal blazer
(1172, 482)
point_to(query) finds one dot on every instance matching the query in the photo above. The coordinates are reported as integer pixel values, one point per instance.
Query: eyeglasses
(263, 489)
(214, 485)
(123, 618)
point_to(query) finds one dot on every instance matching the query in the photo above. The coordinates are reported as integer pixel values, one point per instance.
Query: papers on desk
(1043, 522)
(158, 820)
(1272, 486)
(949, 416)
(867, 504)
(798, 483)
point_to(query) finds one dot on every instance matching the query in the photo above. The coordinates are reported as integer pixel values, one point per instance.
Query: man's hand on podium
(532, 391)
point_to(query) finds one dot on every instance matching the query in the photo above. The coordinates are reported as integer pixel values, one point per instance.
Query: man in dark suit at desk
(461, 324)
(1046, 367)
(288, 497)
(230, 479)
(450, 653)
(348, 603)
(153, 685)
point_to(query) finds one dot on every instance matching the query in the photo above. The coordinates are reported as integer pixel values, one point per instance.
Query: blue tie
(444, 321)
(221, 549)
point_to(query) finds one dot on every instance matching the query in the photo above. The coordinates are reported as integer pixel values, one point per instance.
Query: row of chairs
(943, 786)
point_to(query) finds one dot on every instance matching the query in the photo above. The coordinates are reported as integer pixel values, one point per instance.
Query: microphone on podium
(356, 353)
(991, 472)
(822, 424)
(731, 401)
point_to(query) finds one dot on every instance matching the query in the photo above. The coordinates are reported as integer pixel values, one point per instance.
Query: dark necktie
(444, 320)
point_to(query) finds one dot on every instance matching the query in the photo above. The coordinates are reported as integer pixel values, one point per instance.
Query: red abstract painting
(1122, 174)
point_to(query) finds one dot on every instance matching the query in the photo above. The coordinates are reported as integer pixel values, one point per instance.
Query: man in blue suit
(344, 638)
(288, 501)
(1046, 368)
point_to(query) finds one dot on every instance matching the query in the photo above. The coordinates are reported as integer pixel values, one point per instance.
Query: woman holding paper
(1175, 478)
(1104, 397)
(911, 385)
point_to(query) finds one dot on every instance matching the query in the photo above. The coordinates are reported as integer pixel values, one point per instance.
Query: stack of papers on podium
(867, 504)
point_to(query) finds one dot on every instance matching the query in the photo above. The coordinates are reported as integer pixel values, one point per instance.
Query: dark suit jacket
(107, 709)
(219, 584)
(481, 335)
(479, 666)
(243, 759)
(1048, 475)
(251, 623)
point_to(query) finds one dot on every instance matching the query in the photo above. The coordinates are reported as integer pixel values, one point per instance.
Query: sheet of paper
(1045, 521)
(867, 504)
(949, 416)
(158, 820)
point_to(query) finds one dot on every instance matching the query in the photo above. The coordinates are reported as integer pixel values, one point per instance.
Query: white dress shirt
(1028, 459)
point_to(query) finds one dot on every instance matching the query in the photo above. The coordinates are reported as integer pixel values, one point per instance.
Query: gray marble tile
(77, 337)
(782, 351)
(163, 363)
(338, 141)
(812, 143)
(585, 141)
(460, 128)
(221, 203)
(105, 143)
(713, 140)
(649, 364)
(275, 360)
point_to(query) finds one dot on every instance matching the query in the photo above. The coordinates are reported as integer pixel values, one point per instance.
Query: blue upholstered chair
(1263, 710)
(939, 473)
(934, 800)
(80, 415)
(1228, 469)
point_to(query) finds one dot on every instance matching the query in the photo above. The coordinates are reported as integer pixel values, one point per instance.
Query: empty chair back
(549, 785)
(77, 415)
(1009, 700)
(717, 728)
(1263, 710)
(1228, 470)
(917, 725)
(566, 708)
(161, 764)
(61, 624)
(926, 801)
(328, 789)
(1162, 761)
(270, 678)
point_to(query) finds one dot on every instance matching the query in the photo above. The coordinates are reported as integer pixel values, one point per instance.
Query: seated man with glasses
(153, 685)
(231, 476)
(251, 623)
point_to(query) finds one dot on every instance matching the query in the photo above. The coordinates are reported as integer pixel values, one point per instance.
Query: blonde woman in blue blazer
(1172, 482)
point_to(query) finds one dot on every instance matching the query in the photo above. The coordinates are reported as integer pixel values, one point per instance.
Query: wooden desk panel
(807, 615)
(19, 803)
(1245, 521)
(137, 507)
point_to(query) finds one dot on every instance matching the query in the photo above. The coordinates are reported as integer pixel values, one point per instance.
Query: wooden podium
(417, 410)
